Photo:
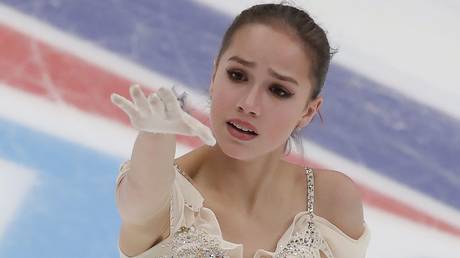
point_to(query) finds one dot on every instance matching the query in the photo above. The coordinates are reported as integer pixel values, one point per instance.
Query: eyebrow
(271, 71)
(242, 61)
(282, 77)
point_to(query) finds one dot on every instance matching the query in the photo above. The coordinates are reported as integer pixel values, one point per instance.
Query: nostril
(241, 109)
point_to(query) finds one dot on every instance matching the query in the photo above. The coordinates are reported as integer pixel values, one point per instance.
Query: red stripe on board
(397, 207)
(394, 206)
(37, 68)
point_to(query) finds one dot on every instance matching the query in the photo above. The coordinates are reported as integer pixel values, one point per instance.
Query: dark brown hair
(299, 23)
(312, 36)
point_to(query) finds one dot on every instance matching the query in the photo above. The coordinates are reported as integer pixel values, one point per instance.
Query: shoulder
(338, 199)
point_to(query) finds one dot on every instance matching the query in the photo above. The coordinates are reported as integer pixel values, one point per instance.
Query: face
(262, 78)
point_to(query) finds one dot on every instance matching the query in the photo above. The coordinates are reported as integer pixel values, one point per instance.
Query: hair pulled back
(297, 21)
(292, 20)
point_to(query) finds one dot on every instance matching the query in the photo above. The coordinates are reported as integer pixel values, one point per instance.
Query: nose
(248, 103)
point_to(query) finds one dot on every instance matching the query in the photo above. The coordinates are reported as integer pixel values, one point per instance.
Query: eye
(280, 92)
(236, 75)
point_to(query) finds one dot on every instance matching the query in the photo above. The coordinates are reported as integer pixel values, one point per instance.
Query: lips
(243, 124)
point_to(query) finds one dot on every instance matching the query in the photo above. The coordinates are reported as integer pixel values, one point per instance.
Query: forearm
(145, 190)
(143, 193)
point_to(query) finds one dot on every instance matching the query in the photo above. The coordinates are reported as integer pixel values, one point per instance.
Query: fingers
(138, 97)
(200, 130)
(161, 112)
(170, 101)
(206, 135)
(123, 104)
(156, 105)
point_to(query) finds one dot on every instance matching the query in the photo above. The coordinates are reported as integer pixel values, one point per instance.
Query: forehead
(272, 46)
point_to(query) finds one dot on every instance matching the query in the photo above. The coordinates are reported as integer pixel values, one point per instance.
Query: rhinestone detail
(308, 242)
(194, 242)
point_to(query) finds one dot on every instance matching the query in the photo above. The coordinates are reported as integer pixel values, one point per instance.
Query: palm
(161, 113)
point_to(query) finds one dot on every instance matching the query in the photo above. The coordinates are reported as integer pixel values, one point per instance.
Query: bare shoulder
(339, 200)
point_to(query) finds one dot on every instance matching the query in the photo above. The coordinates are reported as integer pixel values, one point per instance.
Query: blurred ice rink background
(391, 111)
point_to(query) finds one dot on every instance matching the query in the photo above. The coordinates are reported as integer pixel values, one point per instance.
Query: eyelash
(284, 93)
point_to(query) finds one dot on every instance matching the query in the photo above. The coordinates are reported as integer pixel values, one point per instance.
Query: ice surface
(61, 142)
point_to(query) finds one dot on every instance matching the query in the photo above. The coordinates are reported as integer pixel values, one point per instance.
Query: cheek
(281, 123)
(221, 107)
(276, 123)
(221, 101)
(223, 97)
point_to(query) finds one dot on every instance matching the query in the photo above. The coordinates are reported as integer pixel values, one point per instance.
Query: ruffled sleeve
(342, 245)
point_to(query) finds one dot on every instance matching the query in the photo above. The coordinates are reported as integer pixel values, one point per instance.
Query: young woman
(235, 196)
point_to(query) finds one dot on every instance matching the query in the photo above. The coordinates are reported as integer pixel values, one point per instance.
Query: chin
(240, 156)
(235, 150)
(244, 153)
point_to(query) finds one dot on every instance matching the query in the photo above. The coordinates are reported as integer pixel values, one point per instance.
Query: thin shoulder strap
(310, 191)
(182, 172)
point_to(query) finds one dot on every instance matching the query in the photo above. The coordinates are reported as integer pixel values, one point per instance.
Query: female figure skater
(235, 196)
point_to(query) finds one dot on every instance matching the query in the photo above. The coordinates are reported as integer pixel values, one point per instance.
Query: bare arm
(143, 194)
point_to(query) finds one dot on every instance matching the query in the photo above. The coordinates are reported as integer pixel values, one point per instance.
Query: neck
(242, 184)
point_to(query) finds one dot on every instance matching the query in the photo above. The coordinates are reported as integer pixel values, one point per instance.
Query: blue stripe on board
(365, 121)
(71, 212)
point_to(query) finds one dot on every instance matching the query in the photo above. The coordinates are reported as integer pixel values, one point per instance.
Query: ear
(310, 111)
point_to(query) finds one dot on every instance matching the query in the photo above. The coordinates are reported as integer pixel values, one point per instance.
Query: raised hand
(160, 112)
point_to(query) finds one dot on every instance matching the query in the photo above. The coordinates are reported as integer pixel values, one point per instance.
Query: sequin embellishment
(195, 242)
(309, 241)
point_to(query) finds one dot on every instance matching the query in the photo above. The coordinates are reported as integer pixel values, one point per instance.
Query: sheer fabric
(195, 231)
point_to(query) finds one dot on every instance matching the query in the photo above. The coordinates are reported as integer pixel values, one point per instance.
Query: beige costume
(195, 231)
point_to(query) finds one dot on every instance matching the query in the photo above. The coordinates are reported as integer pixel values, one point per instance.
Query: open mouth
(241, 130)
